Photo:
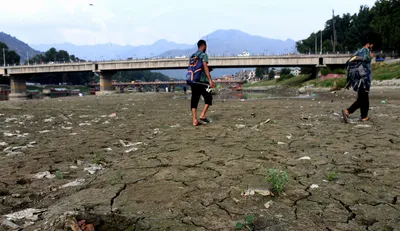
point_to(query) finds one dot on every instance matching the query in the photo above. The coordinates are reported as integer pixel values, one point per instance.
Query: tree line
(71, 78)
(380, 24)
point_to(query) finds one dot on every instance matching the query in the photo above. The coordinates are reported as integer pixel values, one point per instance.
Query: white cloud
(144, 22)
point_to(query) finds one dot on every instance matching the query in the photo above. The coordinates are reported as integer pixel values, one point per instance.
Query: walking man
(201, 86)
(359, 77)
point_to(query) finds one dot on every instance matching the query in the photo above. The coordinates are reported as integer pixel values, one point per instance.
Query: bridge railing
(222, 56)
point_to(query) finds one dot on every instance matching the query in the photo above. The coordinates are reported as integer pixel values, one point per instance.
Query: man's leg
(194, 103)
(364, 104)
(207, 102)
(356, 105)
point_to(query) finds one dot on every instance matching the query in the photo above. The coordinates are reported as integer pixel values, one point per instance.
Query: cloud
(144, 22)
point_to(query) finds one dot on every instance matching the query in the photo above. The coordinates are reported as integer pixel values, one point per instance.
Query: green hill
(18, 46)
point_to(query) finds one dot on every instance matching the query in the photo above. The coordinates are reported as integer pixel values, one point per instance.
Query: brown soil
(191, 178)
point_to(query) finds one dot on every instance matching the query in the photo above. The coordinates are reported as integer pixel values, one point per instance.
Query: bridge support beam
(18, 88)
(106, 86)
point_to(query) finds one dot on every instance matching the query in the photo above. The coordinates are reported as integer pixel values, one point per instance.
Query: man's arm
(207, 72)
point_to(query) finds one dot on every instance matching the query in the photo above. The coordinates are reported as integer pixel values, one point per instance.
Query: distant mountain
(234, 42)
(220, 42)
(114, 51)
(18, 46)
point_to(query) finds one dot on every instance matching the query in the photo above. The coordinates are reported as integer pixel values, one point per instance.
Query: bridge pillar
(106, 86)
(316, 71)
(18, 88)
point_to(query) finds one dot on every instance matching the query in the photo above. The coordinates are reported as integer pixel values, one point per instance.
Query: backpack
(356, 72)
(195, 69)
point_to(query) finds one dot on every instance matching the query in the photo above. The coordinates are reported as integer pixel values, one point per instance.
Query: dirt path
(160, 173)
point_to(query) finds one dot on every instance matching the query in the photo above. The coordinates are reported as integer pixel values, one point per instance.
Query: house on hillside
(296, 72)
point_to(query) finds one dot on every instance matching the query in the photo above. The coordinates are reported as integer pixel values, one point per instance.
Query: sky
(143, 22)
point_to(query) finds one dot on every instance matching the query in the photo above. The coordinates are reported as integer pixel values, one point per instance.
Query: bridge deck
(153, 64)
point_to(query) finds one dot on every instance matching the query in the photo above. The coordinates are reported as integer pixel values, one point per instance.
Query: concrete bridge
(19, 74)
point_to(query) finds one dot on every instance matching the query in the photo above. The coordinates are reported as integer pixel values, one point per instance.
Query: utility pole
(316, 47)
(4, 56)
(27, 57)
(334, 42)
(321, 42)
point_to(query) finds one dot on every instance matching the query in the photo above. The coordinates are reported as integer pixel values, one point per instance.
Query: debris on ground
(18, 134)
(3, 144)
(10, 120)
(73, 167)
(106, 122)
(93, 168)
(108, 149)
(27, 214)
(281, 143)
(6, 223)
(289, 136)
(239, 126)
(176, 126)
(235, 200)
(66, 128)
(41, 175)
(304, 158)
(96, 120)
(261, 124)
(77, 182)
(262, 192)
(363, 126)
(129, 144)
(79, 226)
(45, 131)
(314, 186)
(49, 120)
(73, 134)
(85, 124)
(131, 150)
(112, 115)
(268, 204)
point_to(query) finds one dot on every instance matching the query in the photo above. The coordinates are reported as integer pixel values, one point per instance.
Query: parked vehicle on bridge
(244, 53)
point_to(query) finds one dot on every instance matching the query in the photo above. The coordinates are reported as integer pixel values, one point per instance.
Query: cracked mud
(169, 177)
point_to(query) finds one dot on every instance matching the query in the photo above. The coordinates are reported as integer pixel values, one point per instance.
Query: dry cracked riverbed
(146, 168)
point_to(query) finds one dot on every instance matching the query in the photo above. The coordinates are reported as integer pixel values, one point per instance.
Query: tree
(387, 22)
(51, 55)
(285, 71)
(259, 72)
(379, 24)
(128, 76)
(12, 57)
(271, 74)
(62, 56)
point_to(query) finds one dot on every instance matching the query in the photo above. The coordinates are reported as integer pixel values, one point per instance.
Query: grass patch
(82, 89)
(327, 83)
(332, 176)
(290, 82)
(384, 71)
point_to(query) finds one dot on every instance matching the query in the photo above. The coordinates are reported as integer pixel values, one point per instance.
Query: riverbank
(383, 74)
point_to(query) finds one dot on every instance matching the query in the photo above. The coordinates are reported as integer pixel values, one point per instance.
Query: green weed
(248, 223)
(278, 179)
(332, 176)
